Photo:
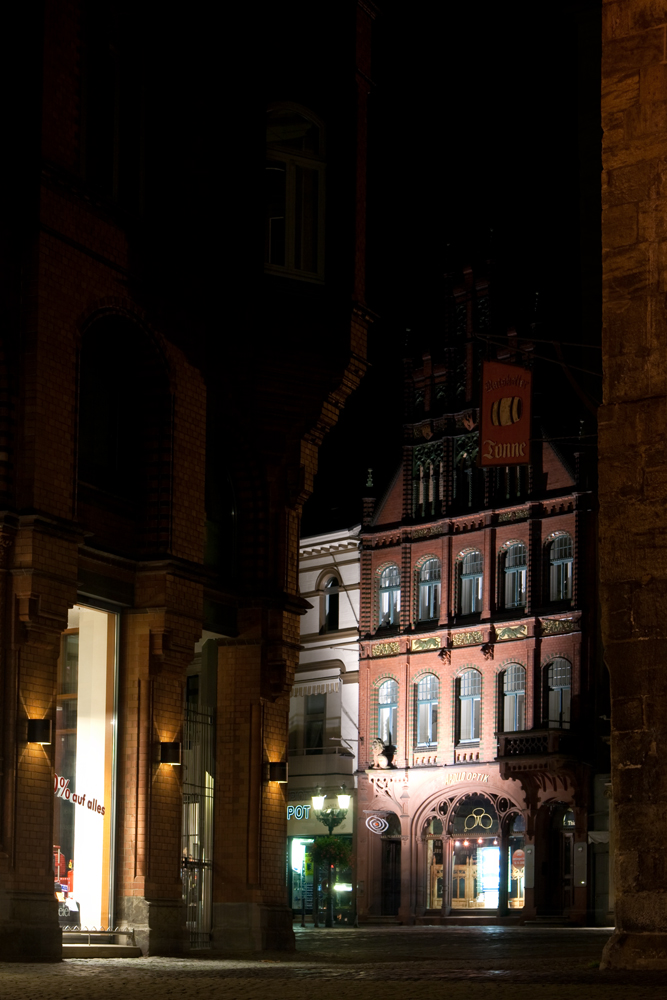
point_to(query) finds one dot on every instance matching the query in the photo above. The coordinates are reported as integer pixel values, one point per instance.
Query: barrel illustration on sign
(505, 419)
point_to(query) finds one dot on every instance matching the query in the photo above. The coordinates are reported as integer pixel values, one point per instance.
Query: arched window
(429, 590)
(515, 571)
(514, 698)
(124, 436)
(427, 711)
(470, 705)
(470, 581)
(559, 687)
(387, 711)
(294, 235)
(331, 590)
(560, 569)
(390, 595)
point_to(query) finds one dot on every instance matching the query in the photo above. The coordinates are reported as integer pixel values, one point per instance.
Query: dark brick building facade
(162, 398)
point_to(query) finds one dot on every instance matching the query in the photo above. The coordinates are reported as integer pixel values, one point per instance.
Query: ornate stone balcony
(534, 743)
(538, 754)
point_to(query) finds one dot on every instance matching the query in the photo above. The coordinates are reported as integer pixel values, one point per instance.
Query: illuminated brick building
(481, 786)
(162, 399)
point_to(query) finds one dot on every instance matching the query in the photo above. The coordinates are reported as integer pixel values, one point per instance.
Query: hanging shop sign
(377, 824)
(62, 790)
(505, 423)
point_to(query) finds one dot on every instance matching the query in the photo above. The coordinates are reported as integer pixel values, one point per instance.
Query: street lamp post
(331, 818)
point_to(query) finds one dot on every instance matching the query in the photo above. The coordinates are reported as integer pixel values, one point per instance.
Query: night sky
(484, 135)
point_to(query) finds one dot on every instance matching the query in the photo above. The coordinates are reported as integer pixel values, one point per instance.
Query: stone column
(250, 911)
(157, 645)
(633, 436)
(37, 585)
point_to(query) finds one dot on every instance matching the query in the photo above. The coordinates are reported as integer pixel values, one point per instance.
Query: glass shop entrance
(85, 768)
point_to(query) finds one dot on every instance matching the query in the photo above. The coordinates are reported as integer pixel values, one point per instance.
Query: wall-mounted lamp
(39, 731)
(278, 771)
(170, 753)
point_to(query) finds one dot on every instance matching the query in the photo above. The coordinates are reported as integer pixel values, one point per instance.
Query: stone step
(101, 951)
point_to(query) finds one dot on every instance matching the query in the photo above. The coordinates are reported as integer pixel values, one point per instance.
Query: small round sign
(519, 858)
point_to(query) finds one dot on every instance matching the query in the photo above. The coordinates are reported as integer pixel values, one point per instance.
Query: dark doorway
(557, 861)
(391, 877)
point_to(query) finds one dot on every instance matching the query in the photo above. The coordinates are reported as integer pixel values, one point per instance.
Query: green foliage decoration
(332, 851)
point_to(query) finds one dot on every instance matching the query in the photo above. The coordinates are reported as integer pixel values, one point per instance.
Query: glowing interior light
(480, 840)
(457, 843)
(466, 843)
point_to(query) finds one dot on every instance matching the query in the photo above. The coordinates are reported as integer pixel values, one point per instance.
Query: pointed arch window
(514, 698)
(559, 690)
(387, 711)
(390, 595)
(561, 559)
(515, 571)
(429, 590)
(470, 706)
(470, 581)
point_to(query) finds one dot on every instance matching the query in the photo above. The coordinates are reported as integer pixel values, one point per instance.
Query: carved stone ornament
(487, 651)
(385, 648)
(558, 626)
(507, 632)
(383, 753)
(513, 515)
(474, 638)
(445, 655)
(427, 642)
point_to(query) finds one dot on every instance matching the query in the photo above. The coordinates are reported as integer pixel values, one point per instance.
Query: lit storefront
(303, 828)
(84, 783)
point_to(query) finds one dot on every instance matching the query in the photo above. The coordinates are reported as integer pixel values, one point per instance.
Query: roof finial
(369, 479)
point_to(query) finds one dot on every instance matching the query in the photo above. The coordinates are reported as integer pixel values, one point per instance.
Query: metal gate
(197, 837)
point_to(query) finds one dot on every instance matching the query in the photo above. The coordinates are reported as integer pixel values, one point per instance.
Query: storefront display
(84, 766)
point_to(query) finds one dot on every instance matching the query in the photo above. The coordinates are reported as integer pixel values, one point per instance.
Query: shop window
(429, 590)
(559, 687)
(84, 769)
(433, 834)
(316, 707)
(331, 601)
(476, 855)
(514, 570)
(387, 711)
(294, 232)
(516, 863)
(514, 698)
(470, 583)
(390, 595)
(427, 711)
(560, 568)
(470, 706)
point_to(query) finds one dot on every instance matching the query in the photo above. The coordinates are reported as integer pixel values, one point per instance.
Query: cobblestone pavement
(383, 963)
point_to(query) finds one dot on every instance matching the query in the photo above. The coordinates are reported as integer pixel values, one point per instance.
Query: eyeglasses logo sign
(478, 818)
(377, 824)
